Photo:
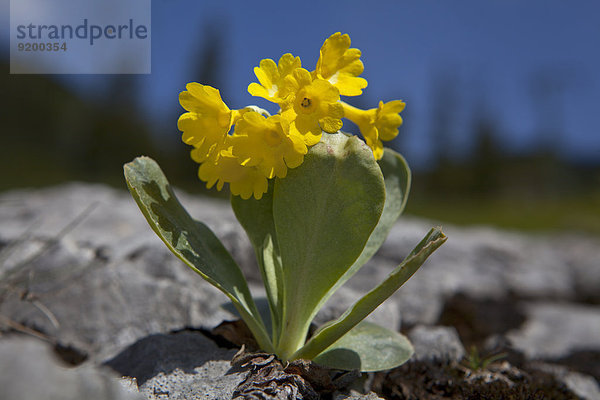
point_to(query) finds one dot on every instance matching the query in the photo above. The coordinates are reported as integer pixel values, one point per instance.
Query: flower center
(306, 102)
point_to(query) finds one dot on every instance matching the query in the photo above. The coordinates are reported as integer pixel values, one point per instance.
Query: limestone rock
(31, 371)
(439, 343)
(101, 305)
(186, 365)
(554, 330)
(80, 266)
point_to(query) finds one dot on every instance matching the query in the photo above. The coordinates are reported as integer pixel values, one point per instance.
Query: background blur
(501, 124)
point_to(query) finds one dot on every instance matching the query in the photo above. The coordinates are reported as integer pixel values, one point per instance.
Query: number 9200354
(49, 46)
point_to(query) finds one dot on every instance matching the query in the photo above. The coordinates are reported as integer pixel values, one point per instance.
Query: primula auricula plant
(315, 202)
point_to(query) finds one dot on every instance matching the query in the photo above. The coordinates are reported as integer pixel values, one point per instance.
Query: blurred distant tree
(206, 67)
(120, 93)
(485, 158)
(444, 108)
(489, 169)
(445, 175)
(208, 63)
(546, 89)
(52, 135)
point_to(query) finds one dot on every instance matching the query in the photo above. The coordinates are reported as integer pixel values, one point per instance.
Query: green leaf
(332, 331)
(256, 216)
(324, 212)
(397, 179)
(192, 241)
(367, 347)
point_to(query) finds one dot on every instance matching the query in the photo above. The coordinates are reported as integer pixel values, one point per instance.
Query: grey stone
(580, 253)
(478, 262)
(161, 353)
(97, 277)
(108, 219)
(436, 343)
(100, 306)
(582, 385)
(354, 395)
(554, 330)
(31, 371)
(79, 263)
(211, 381)
(186, 365)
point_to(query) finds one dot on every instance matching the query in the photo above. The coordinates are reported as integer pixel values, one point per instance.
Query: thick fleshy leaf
(256, 216)
(334, 330)
(192, 241)
(324, 212)
(397, 179)
(367, 347)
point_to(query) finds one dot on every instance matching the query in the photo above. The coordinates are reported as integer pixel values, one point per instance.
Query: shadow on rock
(158, 353)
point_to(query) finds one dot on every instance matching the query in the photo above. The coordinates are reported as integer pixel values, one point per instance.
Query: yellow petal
(388, 119)
(306, 124)
(302, 77)
(341, 65)
(251, 182)
(325, 90)
(332, 50)
(308, 129)
(267, 73)
(259, 91)
(298, 144)
(202, 133)
(350, 85)
(202, 99)
(295, 158)
(336, 110)
(287, 64)
(394, 106)
(330, 125)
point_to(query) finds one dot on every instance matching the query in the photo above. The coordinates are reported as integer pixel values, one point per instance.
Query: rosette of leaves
(311, 232)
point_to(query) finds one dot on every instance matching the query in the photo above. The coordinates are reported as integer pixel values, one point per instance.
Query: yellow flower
(377, 124)
(312, 106)
(208, 119)
(271, 77)
(222, 167)
(263, 147)
(341, 65)
(266, 143)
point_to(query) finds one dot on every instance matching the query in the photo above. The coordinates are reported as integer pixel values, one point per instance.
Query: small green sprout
(475, 362)
(315, 202)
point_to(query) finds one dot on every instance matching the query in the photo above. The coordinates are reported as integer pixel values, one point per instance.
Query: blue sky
(492, 51)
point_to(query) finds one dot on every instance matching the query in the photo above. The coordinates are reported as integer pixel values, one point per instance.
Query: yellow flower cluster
(262, 146)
